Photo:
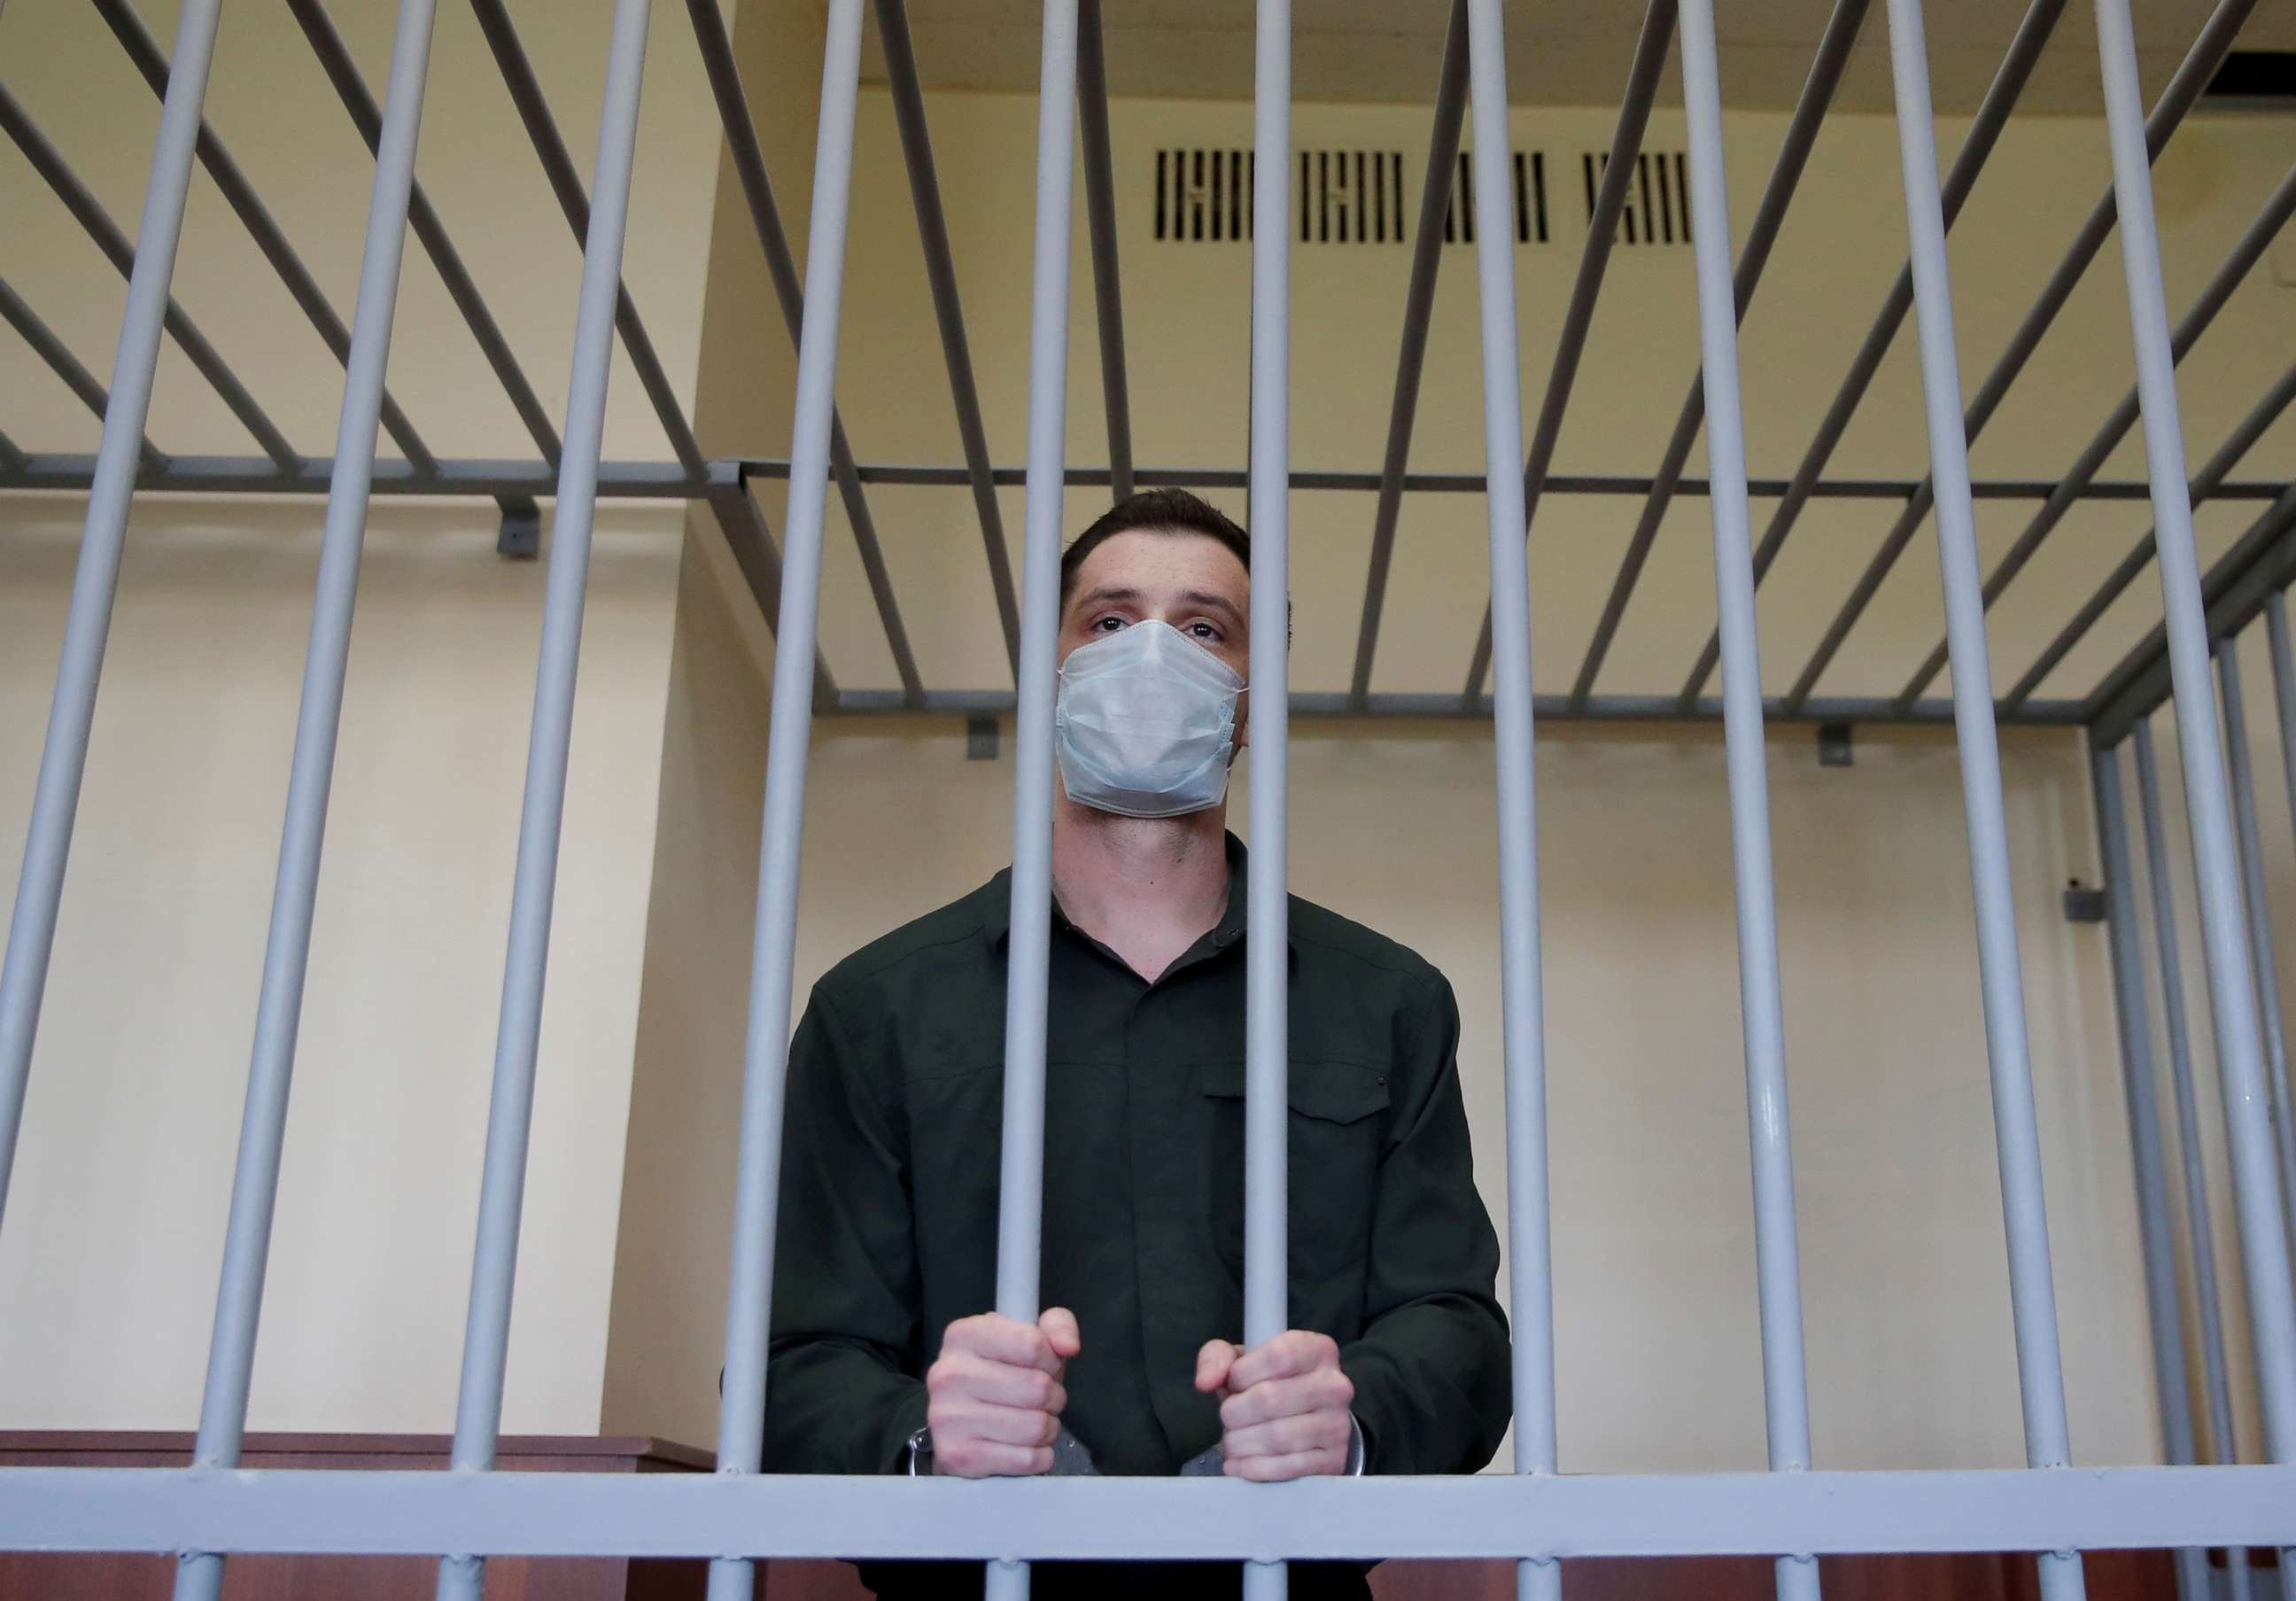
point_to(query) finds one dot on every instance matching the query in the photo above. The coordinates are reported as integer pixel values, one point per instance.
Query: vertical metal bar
(1530, 1258)
(2250, 846)
(63, 756)
(1618, 170)
(231, 183)
(2192, 75)
(486, 1339)
(948, 311)
(2033, 1291)
(1021, 1176)
(757, 1190)
(1411, 351)
(48, 347)
(1100, 216)
(1777, 1253)
(2201, 1244)
(1267, 1079)
(335, 61)
(278, 1011)
(1826, 68)
(108, 238)
(2272, 1315)
(2139, 1082)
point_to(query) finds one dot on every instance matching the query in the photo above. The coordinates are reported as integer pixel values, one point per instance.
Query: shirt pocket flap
(1335, 1092)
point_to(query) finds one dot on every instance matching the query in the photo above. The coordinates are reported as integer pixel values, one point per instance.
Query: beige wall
(114, 1222)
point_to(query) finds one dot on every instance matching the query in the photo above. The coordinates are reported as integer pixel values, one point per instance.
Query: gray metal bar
(1418, 306)
(1816, 95)
(760, 561)
(63, 756)
(2201, 1248)
(2032, 1288)
(279, 1004)
(1488, 1515)
(2200, 64)
(566, 184)
(1267, 949)
(1594, 261)
(756, 1187)
(350, 88)
(486, 1340)
(65, 365)
(1100, 215)
(2260, 561)
(2155, 1233)
(2206, 485)
(463, 477)
(144, 50)
(1523, 1028)
(750, 166)
(2272, 1311)
(1021, 1175)
(2249, 841)
(2245, 254)
(11, 457)
(948, 311)
(2001, 95)
(1777, 1253)
(57, 173)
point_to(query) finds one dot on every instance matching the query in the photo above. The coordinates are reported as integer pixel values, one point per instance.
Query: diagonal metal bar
(1100, 217)
(2204, 487)
(2245, 253)
(948, 311)
(1786, 175)
(12, 457)
(36, 333)
(1601, 233)
(749, 156)
(760, 561)
(2192, 76)
(50, 164)
(566, 184)
(1992, 116)
(1418, 306)
(335, 60)
(231, 181)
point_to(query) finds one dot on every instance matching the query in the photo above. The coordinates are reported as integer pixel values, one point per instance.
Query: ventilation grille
(1658, 201)
(1346, 197)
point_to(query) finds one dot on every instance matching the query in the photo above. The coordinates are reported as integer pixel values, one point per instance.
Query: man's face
(1190, 581)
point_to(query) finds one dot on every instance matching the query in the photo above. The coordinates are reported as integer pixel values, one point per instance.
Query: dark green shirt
(889, 1189)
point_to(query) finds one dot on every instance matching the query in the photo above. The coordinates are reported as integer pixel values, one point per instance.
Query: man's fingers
(961, 1375)
(1296, 1351)
(1214, 1363)
(1326, 1389)
(1269, 1470)
(1289, 1436)
(963, 1419)
(983, 1459)
(1059, 1327)
(1002, 1340)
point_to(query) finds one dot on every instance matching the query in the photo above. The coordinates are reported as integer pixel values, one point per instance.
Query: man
(885, 1357)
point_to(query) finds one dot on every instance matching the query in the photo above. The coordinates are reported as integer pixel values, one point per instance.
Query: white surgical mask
(1145, 723)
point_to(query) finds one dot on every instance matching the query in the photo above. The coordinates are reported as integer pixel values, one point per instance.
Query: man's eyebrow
(1095, 596)
(1216, 603)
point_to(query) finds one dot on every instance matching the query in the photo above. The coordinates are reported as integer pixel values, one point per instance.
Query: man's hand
(1286, 1412)
(994, 1397)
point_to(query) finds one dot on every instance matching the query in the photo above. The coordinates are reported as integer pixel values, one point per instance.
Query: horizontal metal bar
(486, 475)
(422, 218)
(471, 476)
(1492, 1516)
(1597, 709)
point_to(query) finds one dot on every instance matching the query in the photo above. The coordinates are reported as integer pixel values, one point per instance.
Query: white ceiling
(1559, 52)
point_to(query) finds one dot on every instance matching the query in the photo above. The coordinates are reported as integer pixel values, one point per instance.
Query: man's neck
(1147, 888)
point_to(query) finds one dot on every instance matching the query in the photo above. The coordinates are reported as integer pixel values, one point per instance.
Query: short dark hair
(1157, 510)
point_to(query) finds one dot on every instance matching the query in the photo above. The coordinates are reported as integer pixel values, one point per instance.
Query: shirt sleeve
(1431, 1368)
(843, 1393)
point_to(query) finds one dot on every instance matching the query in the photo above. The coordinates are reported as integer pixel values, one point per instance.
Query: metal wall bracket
(2083, 904)
(980, 739)
(1834, 746)
(521, 535)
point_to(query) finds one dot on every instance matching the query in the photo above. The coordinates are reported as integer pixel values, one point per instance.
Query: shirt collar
(996, 904)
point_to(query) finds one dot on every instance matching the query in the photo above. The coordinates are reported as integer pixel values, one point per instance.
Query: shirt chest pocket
(1333, 1132)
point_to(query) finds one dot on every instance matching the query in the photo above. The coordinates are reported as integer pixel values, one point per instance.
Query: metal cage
(1539, 1516)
